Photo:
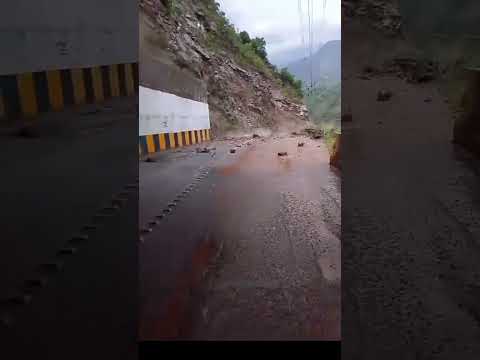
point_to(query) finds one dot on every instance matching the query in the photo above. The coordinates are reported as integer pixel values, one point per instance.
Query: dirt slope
(242, 97)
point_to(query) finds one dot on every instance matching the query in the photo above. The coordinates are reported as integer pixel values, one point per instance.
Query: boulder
(384, 95)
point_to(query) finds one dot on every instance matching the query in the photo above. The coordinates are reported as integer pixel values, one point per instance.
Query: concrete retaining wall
(63, 52)
(64, 34)
(173, 105)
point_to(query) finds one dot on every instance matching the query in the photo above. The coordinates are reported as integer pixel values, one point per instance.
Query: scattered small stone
(67, 251)
(150, 160)
(314, 133)
(80, 238)
(118, 202)
(22, 299)
(40, 282)
(90, 227)
(6, 320)
(90, 112)
(53, 266)
(283, 153)
(256, 136)
(233, 151)
(301, 144)
(384, 95)
(110, 208)
(99, 217)
(203, 150)
(28, 131)
(294, 133)
(364, 77)
(368, 69)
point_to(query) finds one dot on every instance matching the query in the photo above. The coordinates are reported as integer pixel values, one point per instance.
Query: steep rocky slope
(243, 95)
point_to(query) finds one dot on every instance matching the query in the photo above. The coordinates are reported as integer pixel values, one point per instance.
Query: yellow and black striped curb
(28, 94)
(159, 142)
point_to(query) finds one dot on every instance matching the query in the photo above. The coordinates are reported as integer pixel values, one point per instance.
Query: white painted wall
(58, 34)
(161, 112)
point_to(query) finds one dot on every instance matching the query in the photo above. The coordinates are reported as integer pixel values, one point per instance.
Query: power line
(324, 10)
(313, 44)
(310, 45)
(324, 24)
(302, 32)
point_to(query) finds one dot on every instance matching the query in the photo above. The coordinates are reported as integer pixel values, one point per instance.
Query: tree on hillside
(244, 37)
(260, 47)
(286, 76)
(288, 79)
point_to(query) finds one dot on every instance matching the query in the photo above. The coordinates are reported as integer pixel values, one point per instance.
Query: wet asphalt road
(276, 221)
(410, 227)
(52, 186)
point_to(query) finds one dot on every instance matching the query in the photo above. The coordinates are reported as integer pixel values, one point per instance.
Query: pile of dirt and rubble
(410, 69)
(381, 15)
(239, 96)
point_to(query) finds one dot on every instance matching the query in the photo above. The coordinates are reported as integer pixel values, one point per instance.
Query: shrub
(170, 5)
(289, 80)
(244, 37)
(259, 46)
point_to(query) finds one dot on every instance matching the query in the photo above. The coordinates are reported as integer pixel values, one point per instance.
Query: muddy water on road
(278, 276)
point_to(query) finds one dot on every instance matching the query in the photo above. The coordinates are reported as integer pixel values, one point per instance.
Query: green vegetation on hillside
(324, 104)
(330, 134)
(247, 50)
(171, 6)
(289, 80)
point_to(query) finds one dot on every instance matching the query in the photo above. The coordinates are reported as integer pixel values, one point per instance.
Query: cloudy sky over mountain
(279, 22)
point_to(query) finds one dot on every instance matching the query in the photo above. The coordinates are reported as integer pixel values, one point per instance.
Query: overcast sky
(278, 21)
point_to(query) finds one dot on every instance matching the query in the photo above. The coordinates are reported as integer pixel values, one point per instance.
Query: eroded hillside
(244, 91)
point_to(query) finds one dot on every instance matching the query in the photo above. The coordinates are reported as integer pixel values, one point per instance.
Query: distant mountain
(326, 65)
(286, 57)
